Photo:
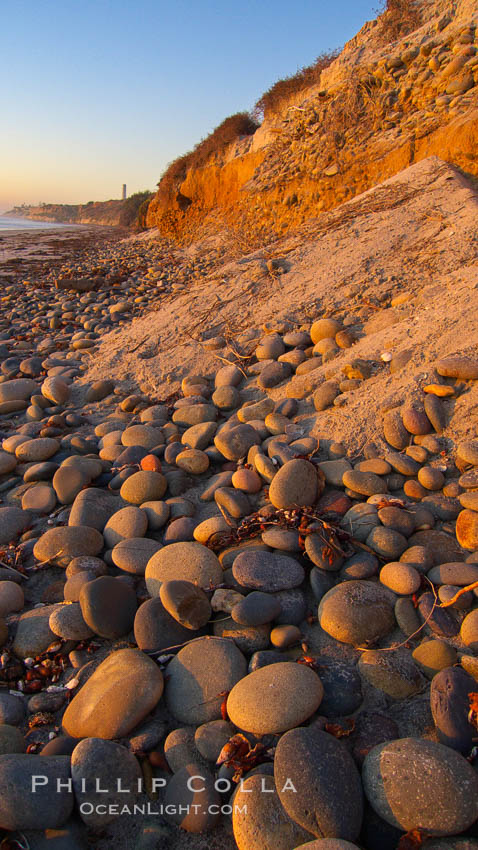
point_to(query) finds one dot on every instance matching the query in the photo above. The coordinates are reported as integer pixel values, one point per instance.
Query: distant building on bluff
(124, 192)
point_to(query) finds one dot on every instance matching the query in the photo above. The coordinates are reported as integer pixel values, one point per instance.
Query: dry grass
(273, 98)
(231, 129)
(397, 18)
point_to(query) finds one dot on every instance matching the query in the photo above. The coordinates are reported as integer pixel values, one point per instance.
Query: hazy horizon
(106, 93)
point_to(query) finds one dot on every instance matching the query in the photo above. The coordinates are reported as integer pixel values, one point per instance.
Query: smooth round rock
(394, 673)
(41, 498)
(123, 689)
(256, 609)
(108, 606)
(356, 612)
(125, 524)
(234, 443)
(259, 819)
(155, 629)
(94, 762)
(199, 674)
(400, 578)
(342, 689)
(275, 698)
(433, 656)
(394, 430)
(297, 483)
(186, 602)
(188, 561)
(11, 598)
(49, 807)
(60, 545)
(267, 571)
(450, 705)
(467, 529)
(143, 486)
(192, 804)
(318, 783)
(68, 622)
(93, 507)
(13, 521)
(41, 448)
(469, 630)
(324, 329)
(414, 783)
(11, 740)
(33, 633)
(386, 542)
(133, 554)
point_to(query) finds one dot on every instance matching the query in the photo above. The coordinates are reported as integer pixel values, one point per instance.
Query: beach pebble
(393, 673)
(450, 705)
(401, 578)
(11, 740)
(274, 698)
(318, 783)
(259, 819)
(48, 807)
(122, 690)
(94, 508)
(125, 524)
(67, 622)
(60, 545)
(356, 612)
(433, 656)
(93, 764)
(133, 554)
(155, 629)
(186, 603)
(188, 561)
(267, 571)
(12, 709)
(33, 634)
(211, 737)
(198, 674)
(13, 521)
(11, 598)
(195, 811)
(108, 606)
(143, 486)
(255, 609)
(414, 783)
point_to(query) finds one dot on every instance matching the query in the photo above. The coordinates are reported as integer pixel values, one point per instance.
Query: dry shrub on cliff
(273, 98)
(231, 129)
(397, 18)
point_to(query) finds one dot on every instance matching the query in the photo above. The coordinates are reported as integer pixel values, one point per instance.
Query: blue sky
(95, 93)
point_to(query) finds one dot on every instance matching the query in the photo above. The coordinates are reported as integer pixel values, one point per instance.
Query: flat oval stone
(400, 578)
(394, 430)
(60, 545)
(93, 764)
(450, 705)
(234, 443)
(41, 498)
(442, 547)
(297, 483)
(457, 366)
(155, 629)
(360, 520)
(267, 571)
(342, 689)
(143, 486)
(414, 783)
(275, 698)
(469, 630)
(33, 634)
(123, 689)
(133, 554)
(11, 598)
(393, 673)
(318, 783)
(68, 622)
(259, 819)
(199, 674)
(186, 602)
(356, 612)
(255, 609)
(67, 483)
(365, 483)
(467, 529)
(457, 573)
(93, 507)
(437, 619)
(41, 448)
(188, 561)
(194, 811)
(49, 807)
(108, 606)
(433, 656)
(386, 542)
(125, 524)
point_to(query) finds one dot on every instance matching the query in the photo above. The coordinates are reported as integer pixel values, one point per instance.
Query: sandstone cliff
(95, 212)
(378, 108)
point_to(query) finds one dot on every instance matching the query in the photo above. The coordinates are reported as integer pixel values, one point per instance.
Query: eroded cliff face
(379, 108)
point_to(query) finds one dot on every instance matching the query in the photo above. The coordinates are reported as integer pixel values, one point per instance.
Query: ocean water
(25, 224)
